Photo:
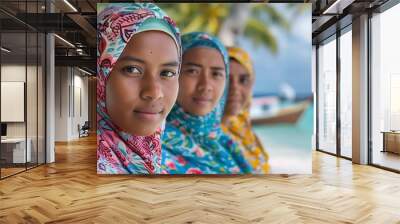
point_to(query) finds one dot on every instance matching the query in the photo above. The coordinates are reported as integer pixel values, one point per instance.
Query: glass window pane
(15, 150)
(386, 89)
(346, 94)
(327, 97)
(23, 85)
(13, 87)
(41, 98)
(31, 97)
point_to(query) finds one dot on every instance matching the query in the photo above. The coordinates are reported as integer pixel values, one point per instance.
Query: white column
(50, 93)
(50, 110)
(360, 90)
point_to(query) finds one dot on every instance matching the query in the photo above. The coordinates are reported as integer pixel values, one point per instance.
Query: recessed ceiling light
(5, 50)
(337, 7)
(84, 71)
(70, 5)
(64, 40)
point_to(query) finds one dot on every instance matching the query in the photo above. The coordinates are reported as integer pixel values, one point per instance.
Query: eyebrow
(193, 64)
(200, 66)
(131, 58)
(171, 64)
(217, 68)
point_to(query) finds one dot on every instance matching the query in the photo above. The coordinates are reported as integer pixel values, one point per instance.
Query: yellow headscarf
(239, 126)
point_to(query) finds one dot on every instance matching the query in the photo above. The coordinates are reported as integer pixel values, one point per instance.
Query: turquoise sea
(289, 145)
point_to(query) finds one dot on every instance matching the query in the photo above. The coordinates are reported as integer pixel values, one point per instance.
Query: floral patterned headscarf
(239, 127)
(119, 152)
(196, 144)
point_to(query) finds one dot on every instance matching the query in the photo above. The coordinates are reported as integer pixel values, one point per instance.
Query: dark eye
(244, 80)
(191, 71)
(168, 74)
(218, 74)
(131, 70)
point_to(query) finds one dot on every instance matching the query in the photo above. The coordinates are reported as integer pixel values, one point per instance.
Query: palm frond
(209, 17)
(259, 33)
(299, 9)
(195, 24)
(268, 14)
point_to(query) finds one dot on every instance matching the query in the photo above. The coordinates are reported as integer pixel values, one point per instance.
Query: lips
(148, 113)
(202, 100)
(234, 99)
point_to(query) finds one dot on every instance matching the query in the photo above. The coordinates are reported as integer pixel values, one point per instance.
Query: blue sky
(292, 63)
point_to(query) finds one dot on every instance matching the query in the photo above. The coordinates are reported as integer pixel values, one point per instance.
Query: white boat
(269, 110)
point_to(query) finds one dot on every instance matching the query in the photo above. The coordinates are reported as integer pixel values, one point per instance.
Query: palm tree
(230, 21)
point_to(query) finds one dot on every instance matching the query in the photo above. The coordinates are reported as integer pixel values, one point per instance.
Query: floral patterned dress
(239, 127)
(196, 144)
(119, 152)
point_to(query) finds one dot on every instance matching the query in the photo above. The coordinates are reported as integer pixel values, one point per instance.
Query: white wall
(80, 100)
(16, 73)
(13, 73)
(61, 103)
(33, 126)
(70, 84)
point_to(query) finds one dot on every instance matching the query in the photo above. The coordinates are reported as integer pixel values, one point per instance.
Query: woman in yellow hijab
(236, 120)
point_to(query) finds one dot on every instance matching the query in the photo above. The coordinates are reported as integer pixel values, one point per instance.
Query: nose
(204, 83)
(151, 88)
(233, 86)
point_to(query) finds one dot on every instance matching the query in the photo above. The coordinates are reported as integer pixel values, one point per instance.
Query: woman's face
(143, 85)
(202, 80)
(240, 86)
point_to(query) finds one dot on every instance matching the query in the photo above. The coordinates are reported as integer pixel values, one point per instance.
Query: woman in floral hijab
(138, 62)
(236, 120)
(193, 142)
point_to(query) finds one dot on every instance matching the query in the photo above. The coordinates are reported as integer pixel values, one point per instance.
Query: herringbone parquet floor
(69, 191)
